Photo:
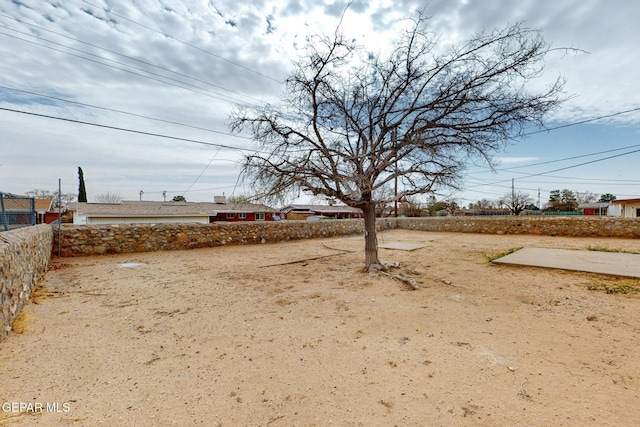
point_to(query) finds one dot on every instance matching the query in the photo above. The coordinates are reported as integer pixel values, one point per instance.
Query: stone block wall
(578, 226)
(84, 240)
(24, 258)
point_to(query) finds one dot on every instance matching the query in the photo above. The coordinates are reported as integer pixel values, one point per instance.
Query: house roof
(322, 209)
(44, 204)
(17, 203)
(626, 201)
(597, 205)
(146, 208)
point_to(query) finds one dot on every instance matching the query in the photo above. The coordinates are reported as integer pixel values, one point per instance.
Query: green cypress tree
(82, 191)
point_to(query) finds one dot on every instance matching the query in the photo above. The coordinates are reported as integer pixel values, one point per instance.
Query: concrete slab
(616, 264)
(402, 246)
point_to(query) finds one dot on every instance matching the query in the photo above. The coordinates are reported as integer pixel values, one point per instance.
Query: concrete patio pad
(617, 264)
(402, 246)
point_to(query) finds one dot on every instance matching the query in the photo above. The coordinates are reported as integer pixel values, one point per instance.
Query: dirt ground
(226, 337)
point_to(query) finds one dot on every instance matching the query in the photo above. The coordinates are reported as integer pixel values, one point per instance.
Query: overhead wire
(126, 113)
(158, 78)
(571, 167)
(567, 158)
(119, 54)
(529, 175)
(222, 145)
(158, 135)
(583, 121)
(109, 11)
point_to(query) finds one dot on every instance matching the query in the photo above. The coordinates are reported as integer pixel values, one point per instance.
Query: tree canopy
(82, 191)
(516, 201)
(353, 121)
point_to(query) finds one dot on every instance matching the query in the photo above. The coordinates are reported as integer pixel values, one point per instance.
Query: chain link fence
(16, 211)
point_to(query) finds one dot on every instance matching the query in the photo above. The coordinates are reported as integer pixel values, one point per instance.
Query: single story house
(46, 213)
(628, 208)
(244, 212)
(302, 212)
(599, 208)
(148, 212)
(16, 211)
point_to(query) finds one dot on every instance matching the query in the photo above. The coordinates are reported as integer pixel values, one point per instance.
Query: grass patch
(626, 286)
(605, 249)
(499, 254)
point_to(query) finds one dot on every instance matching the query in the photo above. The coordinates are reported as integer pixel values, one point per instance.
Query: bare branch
(352, 123)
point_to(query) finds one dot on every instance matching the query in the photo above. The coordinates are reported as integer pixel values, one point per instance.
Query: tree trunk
(370, 236)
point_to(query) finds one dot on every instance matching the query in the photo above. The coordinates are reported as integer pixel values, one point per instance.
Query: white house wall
(145, 220)
(631, 209)
(79, 218)
(614, 210)
(626, 210)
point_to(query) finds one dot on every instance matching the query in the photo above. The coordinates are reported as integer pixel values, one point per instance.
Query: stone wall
(24, 257)
(583, 226)
(83, 240)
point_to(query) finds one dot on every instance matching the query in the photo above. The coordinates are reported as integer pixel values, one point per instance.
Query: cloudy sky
(138, 92)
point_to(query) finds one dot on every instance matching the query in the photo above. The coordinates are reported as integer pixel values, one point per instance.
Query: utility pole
(164, 195)
(539, 207)
(141, 193)
(59, 213)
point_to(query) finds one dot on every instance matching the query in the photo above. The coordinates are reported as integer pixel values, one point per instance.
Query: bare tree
(586, 197)
(484, 204)
(410, 207)
(239, 200)
(516, 202)
(110, 198)
(352, 121)
(59, 200)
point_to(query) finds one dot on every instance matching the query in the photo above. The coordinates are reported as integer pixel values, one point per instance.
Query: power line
(561, 169)
(583, 121)
(116, 53)
(606, 181)
(125, 112)
(177, 83)
(582, 164)
(109, 11)
(229, 147)
(201, 173)
(568, 158)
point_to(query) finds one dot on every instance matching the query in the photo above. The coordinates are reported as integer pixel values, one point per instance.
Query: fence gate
(16, 211)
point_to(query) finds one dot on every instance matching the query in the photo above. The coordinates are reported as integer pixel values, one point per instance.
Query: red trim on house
(625, 201)
(249, 216)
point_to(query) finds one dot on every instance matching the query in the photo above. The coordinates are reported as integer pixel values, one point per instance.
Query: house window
(230, 216)
(259, 217)
(242, 215)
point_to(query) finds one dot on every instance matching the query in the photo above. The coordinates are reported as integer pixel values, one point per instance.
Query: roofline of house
(143, 215)
(625, 201)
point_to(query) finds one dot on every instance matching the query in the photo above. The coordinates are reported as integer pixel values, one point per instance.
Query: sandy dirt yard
(226, 337)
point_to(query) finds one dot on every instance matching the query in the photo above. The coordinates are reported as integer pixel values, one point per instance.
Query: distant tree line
(515, 203)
